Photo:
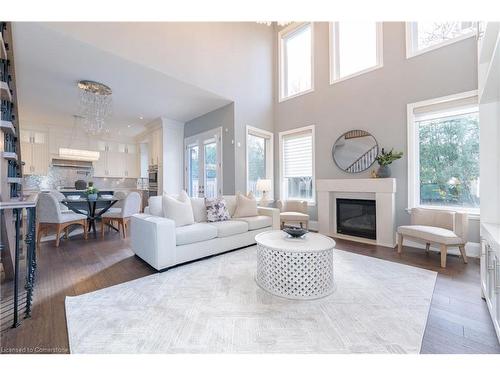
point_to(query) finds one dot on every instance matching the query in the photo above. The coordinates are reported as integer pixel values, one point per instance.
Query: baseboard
(472, 249)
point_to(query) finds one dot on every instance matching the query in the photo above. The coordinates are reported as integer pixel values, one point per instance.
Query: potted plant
(91, 192)
(385, 159)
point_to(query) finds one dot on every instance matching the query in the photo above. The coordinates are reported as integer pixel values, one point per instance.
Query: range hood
(74, 154)
(73, 164)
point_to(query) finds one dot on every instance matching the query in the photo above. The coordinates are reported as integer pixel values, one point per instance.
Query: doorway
(203, 164)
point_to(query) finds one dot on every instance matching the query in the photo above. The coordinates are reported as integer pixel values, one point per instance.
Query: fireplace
(357, 217)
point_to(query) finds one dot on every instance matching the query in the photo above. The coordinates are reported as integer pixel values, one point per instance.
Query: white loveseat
(157, 240)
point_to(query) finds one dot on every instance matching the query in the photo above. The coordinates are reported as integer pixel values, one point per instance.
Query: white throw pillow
(245, 206)
(199, 210)
(179, 210)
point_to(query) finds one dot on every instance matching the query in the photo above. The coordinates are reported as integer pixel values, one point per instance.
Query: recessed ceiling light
(141, 118)
(128, 126)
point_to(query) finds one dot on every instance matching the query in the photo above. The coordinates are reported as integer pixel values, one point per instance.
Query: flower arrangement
(91, 191)
(386, 158)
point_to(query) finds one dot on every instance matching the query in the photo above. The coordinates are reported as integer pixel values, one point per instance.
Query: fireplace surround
(380, 190)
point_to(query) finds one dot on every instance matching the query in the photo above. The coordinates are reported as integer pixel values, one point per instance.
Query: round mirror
(355, 151)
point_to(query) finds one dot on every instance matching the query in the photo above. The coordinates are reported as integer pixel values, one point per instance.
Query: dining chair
(60, 197)
(51, 217)
(131, 206)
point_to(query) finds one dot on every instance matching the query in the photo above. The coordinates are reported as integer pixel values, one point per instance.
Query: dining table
(93, 212)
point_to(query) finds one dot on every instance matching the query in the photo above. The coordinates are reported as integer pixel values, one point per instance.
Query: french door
(203, 164)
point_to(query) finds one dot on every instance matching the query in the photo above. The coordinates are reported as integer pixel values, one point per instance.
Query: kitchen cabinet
(490, 271)
(35, 152)
(155, 147)
(117, 160)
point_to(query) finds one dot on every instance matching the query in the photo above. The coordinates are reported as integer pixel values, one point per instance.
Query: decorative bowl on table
(73, 197)
(295, 232)
(106, 196)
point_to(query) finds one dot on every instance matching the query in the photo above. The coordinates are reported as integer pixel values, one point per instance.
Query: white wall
(173, 155)
(231, 59)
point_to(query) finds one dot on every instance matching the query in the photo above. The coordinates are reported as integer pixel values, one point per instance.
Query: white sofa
(157, 240)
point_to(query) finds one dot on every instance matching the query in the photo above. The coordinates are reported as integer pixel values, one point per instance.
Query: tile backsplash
(65, 178)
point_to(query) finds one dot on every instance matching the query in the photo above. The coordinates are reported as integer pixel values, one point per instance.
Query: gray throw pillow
(216, 210)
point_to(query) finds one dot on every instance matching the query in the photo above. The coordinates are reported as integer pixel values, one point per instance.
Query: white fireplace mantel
(382, 190)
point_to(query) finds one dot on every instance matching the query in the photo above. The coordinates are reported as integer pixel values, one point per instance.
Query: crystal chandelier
(95, 105)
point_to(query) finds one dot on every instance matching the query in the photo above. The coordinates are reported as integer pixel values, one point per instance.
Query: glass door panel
(210, 156)
(193, 168)
(203, 164)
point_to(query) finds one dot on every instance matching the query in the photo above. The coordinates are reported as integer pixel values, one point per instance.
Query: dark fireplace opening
(357, 217)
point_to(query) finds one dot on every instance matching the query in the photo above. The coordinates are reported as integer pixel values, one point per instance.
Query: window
(296, 60)
(297, 164)
(426, 36)
(355, 48)
(443, 153)
(259, 159)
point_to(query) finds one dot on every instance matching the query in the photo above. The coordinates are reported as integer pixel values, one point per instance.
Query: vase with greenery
(384, 160)
(91, 192)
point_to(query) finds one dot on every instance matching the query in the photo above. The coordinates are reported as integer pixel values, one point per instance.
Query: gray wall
(376, 101)
(220, 117)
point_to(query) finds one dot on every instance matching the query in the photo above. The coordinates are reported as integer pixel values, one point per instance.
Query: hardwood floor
(458, 319)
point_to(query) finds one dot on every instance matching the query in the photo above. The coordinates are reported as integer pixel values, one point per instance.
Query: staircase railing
(13, 211)
(364, 161)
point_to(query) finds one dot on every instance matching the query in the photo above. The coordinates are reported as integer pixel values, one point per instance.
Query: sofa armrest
(153, 239)
(273, 213)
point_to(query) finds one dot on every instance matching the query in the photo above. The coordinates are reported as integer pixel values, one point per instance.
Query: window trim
(410, 42)
(310, 202)
(269, 155)
(414, 157)
(290, 29)
(333, 55)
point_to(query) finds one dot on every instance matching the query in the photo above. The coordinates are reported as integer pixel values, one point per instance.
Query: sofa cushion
(199, 209)
(229, 227)
(155, 206)
(194, 233)
(179, 210)
(430, 234)
(246, 206)
(230, 203)
(257, 222)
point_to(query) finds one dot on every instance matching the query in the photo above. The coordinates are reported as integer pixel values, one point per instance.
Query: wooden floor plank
(458, 319)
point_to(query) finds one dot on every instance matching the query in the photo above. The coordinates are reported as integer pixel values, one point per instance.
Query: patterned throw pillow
(216, 210)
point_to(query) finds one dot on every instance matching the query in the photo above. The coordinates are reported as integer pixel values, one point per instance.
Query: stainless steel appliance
(153, 174)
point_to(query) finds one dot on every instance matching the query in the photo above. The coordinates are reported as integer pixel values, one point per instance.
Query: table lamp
(264, 186)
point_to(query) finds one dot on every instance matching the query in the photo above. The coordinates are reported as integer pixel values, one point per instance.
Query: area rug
(214, 306)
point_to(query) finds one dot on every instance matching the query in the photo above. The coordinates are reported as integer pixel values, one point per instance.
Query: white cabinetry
(34, 152)
(155, 147)
(489, 117)
(117, 160)
(490, 271)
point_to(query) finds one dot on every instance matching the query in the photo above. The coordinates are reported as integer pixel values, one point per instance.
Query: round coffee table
(296, 268)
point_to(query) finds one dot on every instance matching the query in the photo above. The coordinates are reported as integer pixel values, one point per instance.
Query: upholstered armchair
(51, 217)
(446, 228)
(129, 206)
(293, 212)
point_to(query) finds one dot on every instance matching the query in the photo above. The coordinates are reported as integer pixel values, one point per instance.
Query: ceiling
(49, 64)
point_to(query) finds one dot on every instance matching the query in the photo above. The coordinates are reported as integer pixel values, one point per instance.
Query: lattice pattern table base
(295, 274)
